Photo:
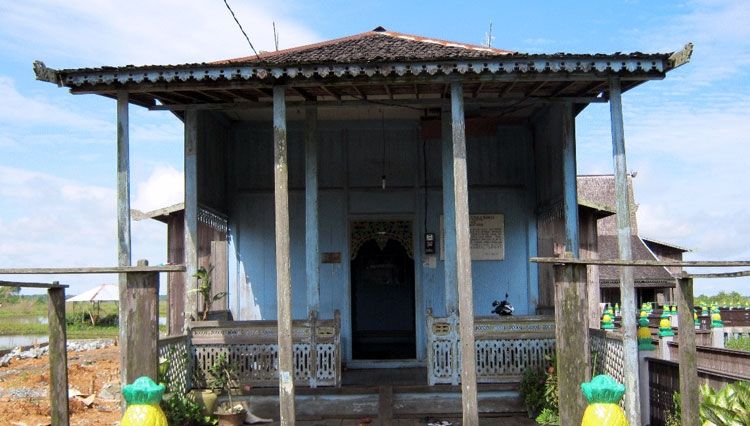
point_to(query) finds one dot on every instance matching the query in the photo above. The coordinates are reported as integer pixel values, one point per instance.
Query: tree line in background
(723, 299)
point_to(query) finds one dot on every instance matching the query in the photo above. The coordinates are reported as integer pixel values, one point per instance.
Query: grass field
(22, 317)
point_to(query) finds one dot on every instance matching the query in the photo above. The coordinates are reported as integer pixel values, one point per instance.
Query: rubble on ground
(38, 351)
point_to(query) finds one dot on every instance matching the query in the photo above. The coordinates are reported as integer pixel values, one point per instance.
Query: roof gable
(378, 45)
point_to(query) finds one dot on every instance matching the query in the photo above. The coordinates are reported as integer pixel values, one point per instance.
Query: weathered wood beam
(142, 330)
(242, 94)
(624, 241)
(387, 88)
(572, 339)
(449, 216)
(123, 214)
(58, 355)
(508, 87)
(463, 259)
(82, 270)
(357, 91)
(31, 285)
(643, 263)
(477, 90)
(536, 88)
(283, 255)
(312, 250)
(191, 215)
(305, 94)
(563, 87)
(330, 92)
(416, 90)
(689, 384)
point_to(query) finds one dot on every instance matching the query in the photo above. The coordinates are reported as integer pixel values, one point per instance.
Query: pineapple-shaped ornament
(603, 394)
(143, 398)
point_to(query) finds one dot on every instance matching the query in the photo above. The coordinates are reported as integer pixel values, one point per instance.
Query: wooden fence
(664, 381)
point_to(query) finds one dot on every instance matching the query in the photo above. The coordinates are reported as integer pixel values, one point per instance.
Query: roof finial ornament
(379, 29)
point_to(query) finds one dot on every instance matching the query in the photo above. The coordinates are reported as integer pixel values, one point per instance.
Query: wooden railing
(607, 354)
(724, 360)
(252, 348)
(505, 347)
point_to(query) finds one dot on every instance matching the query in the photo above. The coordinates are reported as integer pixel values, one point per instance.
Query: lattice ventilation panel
(177, 352)
(609, 356)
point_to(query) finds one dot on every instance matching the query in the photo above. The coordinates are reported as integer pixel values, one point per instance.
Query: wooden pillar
(191, 215)
(449, 216)
(283, 269)
(142, 306)
(571, 296)
(627, 288)
(689, 384)
(312, 251)
(570, 191)
(463, 260)
(572, 339)
(58, 356)
(123, 212)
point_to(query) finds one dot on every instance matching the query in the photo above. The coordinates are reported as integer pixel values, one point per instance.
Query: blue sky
(686, 136)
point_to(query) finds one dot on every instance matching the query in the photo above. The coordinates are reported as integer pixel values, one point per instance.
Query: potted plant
(204, 289)
(224, 378)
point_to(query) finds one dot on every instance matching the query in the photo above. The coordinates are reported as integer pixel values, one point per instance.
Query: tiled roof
(609, 276)
(374, 46)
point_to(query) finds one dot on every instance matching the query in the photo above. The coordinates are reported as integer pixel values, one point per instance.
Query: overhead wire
(243, 30)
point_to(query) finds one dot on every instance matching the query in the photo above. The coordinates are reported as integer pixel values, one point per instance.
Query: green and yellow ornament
(603, 394)
(143, 398)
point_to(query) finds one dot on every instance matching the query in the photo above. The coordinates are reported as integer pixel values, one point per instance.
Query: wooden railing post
(690, 399)
(313, 319)
(572, 339)
(58, 356)
(141, 307)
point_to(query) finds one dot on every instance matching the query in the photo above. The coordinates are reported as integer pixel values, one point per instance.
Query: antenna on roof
(275, 37)
(241, 29)
(488, 37)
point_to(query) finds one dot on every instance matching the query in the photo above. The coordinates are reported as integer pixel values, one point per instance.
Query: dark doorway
(383, 325)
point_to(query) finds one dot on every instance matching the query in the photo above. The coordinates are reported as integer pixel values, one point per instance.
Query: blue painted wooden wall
(501, 179)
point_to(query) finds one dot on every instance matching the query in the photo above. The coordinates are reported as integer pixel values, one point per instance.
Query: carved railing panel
(251, 346)
(505, 347)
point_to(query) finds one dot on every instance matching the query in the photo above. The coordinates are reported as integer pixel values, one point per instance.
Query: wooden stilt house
(380, 191)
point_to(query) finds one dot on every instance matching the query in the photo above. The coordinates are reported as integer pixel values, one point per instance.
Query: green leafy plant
(205, 285)
(674, 417)
(180, 411)
(532, 391)
(728, 406)
(548, 417)
(223, 376)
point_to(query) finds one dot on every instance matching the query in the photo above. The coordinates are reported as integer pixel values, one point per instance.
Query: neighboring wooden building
(653, 284)
(212, 238)
(352, 172)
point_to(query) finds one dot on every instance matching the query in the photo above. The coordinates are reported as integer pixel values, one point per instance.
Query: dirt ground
(24, 387)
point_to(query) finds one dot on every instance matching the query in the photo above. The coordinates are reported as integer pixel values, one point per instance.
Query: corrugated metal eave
(630, 65)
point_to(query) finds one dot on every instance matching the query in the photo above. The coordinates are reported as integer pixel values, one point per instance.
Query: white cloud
(145, 31)
(18, 110)
(164, 187)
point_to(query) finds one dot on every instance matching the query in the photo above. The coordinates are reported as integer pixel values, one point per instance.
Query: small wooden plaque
(330, 257)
